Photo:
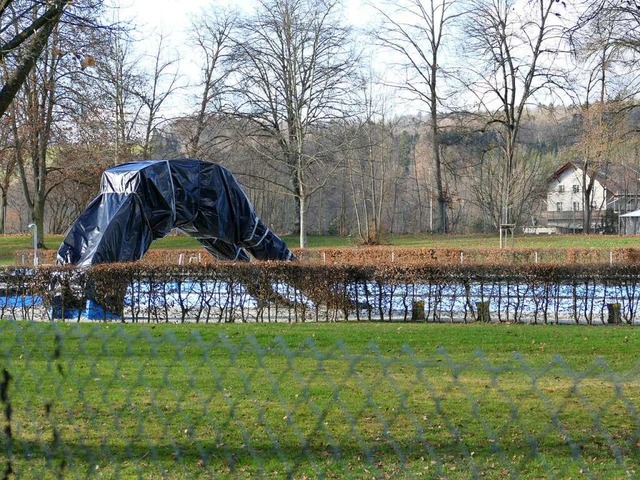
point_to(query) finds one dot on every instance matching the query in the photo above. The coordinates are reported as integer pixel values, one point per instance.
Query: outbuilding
(629, 223)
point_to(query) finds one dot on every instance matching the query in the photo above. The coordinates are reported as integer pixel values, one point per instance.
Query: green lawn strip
(519, 241)
(10, 243)
(319, 399)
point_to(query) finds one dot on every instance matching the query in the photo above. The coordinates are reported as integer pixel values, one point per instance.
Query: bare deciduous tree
(414, 31)
(295, 70)
(607, 45)
(514, 48)
(39, 110)
(156, 88)
(371, 168)
(210, 33)
(7, 166)
(33, 118)
(118, 78)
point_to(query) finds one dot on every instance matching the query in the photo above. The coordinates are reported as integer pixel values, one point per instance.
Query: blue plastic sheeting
(143, 201)
(91, 311)
(20, 301)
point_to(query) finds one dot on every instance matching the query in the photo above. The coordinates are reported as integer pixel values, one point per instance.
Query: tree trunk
(303, 227)
(443, 223)
(38, 219)
(302, 205)
(3, 212)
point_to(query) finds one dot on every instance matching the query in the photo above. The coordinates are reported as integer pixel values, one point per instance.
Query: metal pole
(35, 243)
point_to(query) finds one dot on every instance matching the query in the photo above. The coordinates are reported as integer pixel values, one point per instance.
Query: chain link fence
(108, 402)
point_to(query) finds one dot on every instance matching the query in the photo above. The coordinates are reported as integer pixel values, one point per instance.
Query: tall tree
(414, 30)
(371, 168)
(295, 67)
(7, 166)
(597, 55)
(513, 48)
(39, 109)
(211, 35)
(118, 78)
(33, 116)
(159, 83)
(607, 47)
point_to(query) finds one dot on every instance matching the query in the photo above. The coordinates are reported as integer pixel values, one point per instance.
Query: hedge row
(393, 255)
(294, 292)
(385, 255)
(153, 256)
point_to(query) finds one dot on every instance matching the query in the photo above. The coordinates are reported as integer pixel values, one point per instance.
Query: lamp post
(35, 243)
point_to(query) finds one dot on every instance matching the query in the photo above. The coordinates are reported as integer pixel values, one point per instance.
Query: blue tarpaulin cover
(143, 201)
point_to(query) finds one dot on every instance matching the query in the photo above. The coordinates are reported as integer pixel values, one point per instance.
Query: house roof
(562, 169)
(617, 178)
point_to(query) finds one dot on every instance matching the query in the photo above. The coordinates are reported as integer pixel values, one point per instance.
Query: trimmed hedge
(386, 255)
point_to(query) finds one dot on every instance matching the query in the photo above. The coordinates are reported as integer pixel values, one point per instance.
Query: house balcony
(573, 220)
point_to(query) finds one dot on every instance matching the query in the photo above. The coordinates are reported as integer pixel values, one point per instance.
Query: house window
(559, 206)
(560, 188)
(576, 189)
(576, 206)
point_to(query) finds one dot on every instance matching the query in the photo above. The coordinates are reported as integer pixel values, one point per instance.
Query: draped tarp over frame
(143, 201)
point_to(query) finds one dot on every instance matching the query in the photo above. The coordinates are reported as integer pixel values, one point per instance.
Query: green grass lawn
(331, 400)
(10, 243)
(519, 241)
(324, 400)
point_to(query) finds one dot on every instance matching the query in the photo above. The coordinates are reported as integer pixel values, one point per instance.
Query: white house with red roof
(616, 190)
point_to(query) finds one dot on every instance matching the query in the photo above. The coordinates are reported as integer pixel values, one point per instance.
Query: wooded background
(441, 115)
